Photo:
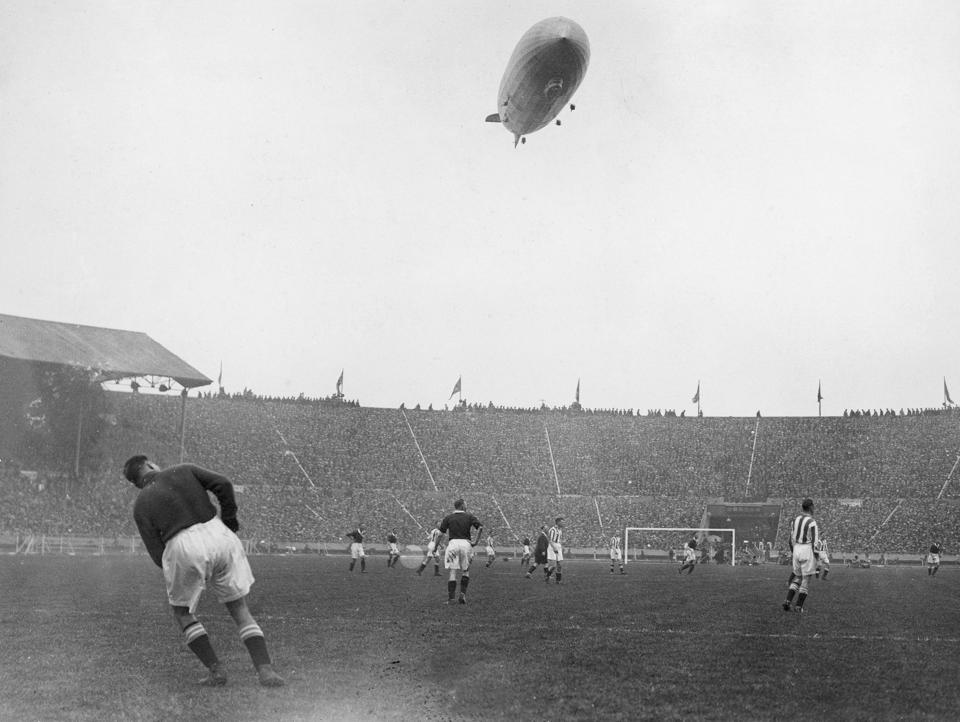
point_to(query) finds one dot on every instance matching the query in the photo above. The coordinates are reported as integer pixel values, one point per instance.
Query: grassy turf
(92, 639)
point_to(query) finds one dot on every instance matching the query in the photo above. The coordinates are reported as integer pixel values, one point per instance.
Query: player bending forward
(195, 548)
(459, 549)
(803, 545)
(689, 557)
(433, 551)
(933, 559)
(616, 554)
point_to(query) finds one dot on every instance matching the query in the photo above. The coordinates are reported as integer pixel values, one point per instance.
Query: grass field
(91, 638)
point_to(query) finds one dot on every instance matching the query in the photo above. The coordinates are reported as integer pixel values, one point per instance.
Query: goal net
(660, 544)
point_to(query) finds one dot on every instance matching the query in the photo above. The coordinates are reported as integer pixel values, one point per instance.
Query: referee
(803, 541)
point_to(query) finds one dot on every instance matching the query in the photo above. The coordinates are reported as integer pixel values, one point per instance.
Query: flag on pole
(340, 384)
(696, 396)
(456, 388)
(819, 395)
(946, 392)
(577, 397)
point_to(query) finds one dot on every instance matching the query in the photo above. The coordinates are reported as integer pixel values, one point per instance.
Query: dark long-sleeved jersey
(458, 525)
(176, 498)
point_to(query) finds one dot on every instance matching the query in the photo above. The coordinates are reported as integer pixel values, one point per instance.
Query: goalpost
(664, 539)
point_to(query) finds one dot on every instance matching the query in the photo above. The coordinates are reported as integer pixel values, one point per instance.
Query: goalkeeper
(194, 547)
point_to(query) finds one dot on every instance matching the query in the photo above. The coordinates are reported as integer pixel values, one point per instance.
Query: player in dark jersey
(933, 558)
(540, 552)
(356, 549)
(196, 548)
(458, 526)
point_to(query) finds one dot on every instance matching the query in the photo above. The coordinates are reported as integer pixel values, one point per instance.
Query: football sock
(198, 641)
(451, 588)
(790, 593)
(558, 577)
(464, 583)
(800, 599)
(363, 564)
(352, 563)
(252, 637)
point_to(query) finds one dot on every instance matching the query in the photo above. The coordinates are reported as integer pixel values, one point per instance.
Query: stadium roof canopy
(112, 354)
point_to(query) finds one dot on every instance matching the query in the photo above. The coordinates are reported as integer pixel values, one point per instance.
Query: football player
(933, 558)
(433, 551)
(616, 554)
(689, 557)
(823, 558)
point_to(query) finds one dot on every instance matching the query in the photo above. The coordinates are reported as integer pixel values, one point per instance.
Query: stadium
(209, 216)
(306, 471)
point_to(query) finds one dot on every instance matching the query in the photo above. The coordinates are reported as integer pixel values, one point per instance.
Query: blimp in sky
(544, 72)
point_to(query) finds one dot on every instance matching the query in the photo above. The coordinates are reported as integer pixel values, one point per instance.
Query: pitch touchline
(775, 635)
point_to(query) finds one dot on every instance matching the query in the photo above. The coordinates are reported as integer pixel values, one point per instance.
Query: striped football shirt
(804, 530)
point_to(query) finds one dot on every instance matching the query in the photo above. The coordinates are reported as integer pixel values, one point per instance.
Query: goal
(646, 543)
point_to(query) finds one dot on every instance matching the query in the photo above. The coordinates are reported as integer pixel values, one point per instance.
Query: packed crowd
(310, 470)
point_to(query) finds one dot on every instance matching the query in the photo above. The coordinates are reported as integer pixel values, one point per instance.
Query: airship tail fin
(493, 118)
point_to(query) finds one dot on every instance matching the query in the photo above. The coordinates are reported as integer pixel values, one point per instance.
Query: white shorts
(356, 551)
(491, 552)
(933, 560)
(203, 553)
(394, 549)
(803, 562)
(824, 559)
(554, 556)
(616, 555)
(458, 555)
(689, 556)
(431, 549)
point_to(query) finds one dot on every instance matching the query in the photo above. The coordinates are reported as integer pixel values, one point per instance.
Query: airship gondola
(543, 73)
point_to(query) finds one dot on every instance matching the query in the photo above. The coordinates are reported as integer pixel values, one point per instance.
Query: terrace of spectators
(309, 471)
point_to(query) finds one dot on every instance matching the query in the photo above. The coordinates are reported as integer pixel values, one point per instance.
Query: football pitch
(91, 638)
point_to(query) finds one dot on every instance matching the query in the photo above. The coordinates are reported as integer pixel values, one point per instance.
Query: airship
(544, 72)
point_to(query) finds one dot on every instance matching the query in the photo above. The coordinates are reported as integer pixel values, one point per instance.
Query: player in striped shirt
(491, 552)
(433, 551)
(689, 557)
(525, 557)
(616, 555)
(823, 558)
(803, 545)
(555, 549)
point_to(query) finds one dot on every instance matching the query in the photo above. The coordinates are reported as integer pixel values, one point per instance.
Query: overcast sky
(758, 196)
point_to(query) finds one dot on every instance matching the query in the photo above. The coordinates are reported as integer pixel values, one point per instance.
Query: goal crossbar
(689, 529)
